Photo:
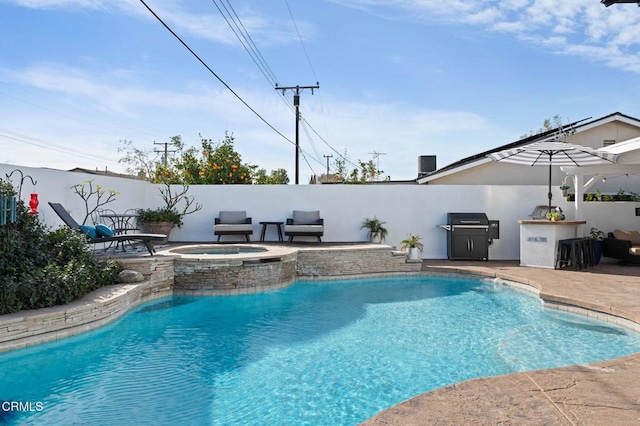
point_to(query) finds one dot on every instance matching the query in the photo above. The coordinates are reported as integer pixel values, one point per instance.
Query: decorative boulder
(127, 276)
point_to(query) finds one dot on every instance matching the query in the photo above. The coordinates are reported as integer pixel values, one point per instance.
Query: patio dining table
(121, 223)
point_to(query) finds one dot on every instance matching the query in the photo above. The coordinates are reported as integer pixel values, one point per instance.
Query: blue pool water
(330, 353)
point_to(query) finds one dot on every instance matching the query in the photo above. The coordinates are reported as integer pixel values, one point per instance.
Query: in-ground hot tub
(213, 269)
(223, 251)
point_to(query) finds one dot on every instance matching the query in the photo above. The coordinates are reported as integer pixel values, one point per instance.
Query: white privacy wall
(406, 209)
(417, 209)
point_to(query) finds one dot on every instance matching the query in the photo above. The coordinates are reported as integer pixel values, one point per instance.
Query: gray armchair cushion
(233, 227)
(305, 218)
(304, 229)
(233, 216)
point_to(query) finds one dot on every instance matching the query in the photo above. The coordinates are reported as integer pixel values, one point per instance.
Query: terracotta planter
(158, 228)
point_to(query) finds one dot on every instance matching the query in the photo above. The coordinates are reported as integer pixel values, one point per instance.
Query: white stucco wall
(611, 215)
(416, 209)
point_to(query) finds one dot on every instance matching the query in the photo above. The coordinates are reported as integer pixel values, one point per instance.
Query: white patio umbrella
(552, 153)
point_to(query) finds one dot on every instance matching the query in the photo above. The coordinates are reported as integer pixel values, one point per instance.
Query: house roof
(482, 156)
(608, 3)
(101, 172)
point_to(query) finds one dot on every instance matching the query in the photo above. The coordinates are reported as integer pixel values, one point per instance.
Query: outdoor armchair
(95, 238)
(622, 245)
(231, 222)
(304, 224)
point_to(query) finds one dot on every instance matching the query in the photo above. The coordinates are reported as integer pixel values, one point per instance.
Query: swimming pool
(332, 352)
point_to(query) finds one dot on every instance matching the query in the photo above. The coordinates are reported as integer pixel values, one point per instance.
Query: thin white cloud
(571, 27)
(404, 131)
(209, 26)
(70, 4)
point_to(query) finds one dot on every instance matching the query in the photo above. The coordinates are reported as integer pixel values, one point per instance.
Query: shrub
(160, 215)
(41, 268)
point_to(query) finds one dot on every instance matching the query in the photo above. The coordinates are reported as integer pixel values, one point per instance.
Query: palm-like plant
(413, 241)
(376, 229)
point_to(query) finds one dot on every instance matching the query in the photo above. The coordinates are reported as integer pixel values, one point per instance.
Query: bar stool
(571, 251)
(563, 254)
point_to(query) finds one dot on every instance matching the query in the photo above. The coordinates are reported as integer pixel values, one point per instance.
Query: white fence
(406, 209)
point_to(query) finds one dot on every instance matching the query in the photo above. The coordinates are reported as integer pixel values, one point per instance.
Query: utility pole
(296, 103)
(376, 156)
(327, 157)
(166, 151)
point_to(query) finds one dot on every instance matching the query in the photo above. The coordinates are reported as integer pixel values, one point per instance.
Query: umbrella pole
(549, 193)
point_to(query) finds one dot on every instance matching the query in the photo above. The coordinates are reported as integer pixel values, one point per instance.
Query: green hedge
(41, 268)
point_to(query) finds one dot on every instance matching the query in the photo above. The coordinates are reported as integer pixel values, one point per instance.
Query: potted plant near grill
(413, 246)
(377, 232)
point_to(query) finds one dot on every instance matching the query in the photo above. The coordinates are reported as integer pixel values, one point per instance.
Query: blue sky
(402, 78)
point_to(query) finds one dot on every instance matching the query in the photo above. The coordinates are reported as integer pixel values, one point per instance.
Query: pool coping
(606, 392)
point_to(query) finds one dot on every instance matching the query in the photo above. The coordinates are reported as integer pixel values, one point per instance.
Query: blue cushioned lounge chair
(146, 239)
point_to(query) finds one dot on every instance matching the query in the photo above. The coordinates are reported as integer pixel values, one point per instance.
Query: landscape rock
(128, 276)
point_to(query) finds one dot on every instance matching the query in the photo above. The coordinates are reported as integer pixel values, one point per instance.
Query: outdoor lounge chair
(304, 224)
(146, 239)
(233, 223)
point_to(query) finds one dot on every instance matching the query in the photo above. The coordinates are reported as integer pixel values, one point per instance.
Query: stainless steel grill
(470, 235)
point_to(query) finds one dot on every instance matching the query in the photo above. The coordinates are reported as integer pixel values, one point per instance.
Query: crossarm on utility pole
(296, 103)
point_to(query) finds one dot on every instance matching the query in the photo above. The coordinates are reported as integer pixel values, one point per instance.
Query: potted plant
(413, 245)
(555, 216)
(377, 232)
(596, 236)
(159, 221)
(163, 219)
(565, 190)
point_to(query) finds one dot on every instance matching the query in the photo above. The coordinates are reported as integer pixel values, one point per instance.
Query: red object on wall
(33, 203)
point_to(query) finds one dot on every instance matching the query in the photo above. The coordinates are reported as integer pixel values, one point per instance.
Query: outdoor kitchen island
(539, 240)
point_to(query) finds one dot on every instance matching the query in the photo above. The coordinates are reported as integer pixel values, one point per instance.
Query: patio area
(603, 393)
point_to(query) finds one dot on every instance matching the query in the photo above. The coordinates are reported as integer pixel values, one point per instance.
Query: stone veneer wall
(26, 328)
(168, 275)
(202, 277)
(352, 260)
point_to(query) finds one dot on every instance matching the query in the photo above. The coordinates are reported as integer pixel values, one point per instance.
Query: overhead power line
(245, 40)
(329, 145)
(8, 134)
(268, 74)
(306, 54)
(241, 33)
(113, 124)
(301, 42)
(214, 73)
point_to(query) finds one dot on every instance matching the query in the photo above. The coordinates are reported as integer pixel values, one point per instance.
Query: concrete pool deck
(596, 394)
